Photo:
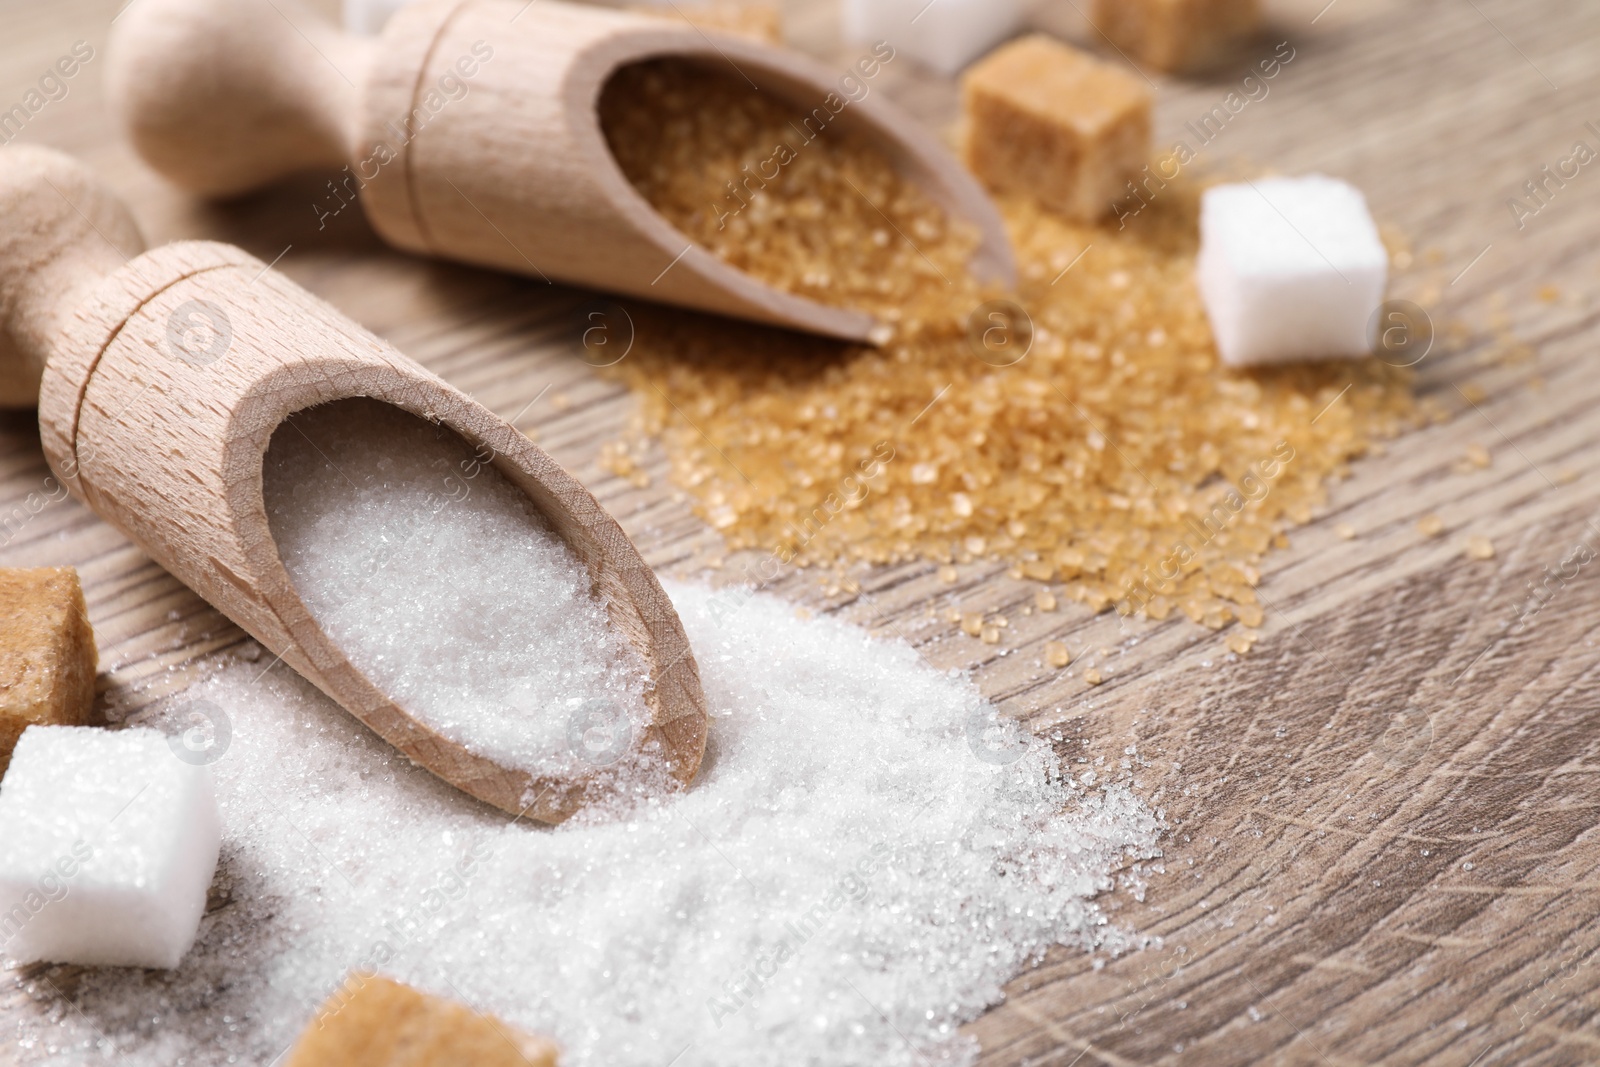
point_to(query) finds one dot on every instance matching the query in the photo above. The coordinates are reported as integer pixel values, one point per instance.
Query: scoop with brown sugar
(513, 170)
(47, 653)
(816, 211)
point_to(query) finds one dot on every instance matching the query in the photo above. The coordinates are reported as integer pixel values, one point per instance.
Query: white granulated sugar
(445, 586)
(849, 880)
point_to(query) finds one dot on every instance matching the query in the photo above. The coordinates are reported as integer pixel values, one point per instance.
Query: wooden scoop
(163, 434)
(471, 130)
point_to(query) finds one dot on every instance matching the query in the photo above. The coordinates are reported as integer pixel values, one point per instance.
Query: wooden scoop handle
(164, 381)
(224, 96)
(62, 232)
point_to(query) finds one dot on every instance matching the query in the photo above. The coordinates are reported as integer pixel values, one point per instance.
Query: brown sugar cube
(375, 1022)
(47, 653)
(1176, 34)
(762, 22)
(1051, 121)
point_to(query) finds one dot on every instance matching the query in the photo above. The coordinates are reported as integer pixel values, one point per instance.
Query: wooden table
(1383, 840)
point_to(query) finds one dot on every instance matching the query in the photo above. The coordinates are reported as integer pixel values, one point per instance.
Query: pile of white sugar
(446, 587)
(845, 884)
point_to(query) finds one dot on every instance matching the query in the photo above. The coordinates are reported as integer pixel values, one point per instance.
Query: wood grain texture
(1325, 794)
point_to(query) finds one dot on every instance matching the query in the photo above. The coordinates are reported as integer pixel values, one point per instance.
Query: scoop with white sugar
(109, 844)
(210, 355)
(1290, 269)
(442, 583)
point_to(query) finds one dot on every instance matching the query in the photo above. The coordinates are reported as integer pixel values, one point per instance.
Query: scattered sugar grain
(1345, 531)
(443, 584)
(1083, 463)
(1430, 526)
(1479, 548)
(865, 837)
(1057, 654)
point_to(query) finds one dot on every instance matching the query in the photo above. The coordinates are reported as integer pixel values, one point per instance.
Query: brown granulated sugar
(834, 223)
(1117, 456)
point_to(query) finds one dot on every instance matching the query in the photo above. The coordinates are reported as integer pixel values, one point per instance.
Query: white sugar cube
(1290, 269)
(108, 841)
(944, 34)
(366, 18)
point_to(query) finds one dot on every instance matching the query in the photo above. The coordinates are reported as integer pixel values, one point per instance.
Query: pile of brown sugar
(1116, 456)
